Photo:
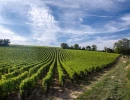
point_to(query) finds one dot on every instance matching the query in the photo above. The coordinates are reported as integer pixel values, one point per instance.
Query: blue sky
(51, 22)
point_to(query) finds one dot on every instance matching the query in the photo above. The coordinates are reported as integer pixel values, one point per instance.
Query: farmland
(24, 68)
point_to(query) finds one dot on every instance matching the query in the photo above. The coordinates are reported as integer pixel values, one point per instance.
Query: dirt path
(112, 86)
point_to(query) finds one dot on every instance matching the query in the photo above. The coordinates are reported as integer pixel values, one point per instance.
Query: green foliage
(10, 75)
(48, 79)
(76, 46)
(128, 74)
(88, 47)
(29, 83)
(21, 67)
(122, 46)
(12, 84)
(4, 42)
(88, 61)
(64, 46)
(94, 47)
(60, 70)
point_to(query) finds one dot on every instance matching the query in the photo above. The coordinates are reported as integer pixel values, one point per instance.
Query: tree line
(4, 42)
(121, 47)
(77, 47)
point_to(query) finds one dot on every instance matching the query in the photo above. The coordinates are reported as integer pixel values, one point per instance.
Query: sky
(52, 22)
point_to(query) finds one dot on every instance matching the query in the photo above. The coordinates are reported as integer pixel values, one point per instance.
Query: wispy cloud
(93, 15)
(90, 4)
(51, 22)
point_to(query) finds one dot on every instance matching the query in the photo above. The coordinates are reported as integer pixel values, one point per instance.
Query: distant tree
(88, 48)
(83, 48)
(76, 46)
(108, 50)
(4, 42)
(94, 47)
(105, 49)
(1, 42)
(122, 46)
(64, 46)
(71, 47)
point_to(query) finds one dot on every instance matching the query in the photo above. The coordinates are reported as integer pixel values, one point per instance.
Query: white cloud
(126, 18)
(94, 15)
(123, 23)
(14, 38)
(44, 26)
(82, 33)
(120, 24)
(88, 4)
(42, 23)
(40, 17)
(73, 11)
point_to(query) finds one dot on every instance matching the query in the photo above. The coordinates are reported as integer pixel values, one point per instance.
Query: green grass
(128, 75)
(114, 86)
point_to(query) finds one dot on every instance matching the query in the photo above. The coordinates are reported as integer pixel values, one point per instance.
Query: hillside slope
(24, 70)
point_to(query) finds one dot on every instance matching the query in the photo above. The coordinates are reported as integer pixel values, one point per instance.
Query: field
(114, 85)
(23, 69)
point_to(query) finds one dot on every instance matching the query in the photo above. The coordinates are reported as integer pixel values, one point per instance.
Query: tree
(122, 46)
(64, 46)
(71, 47)
(94, 47)
(83, 48)
(108, 50)
(4, 42)
(105, 49)
(76, 46)
(88, 48)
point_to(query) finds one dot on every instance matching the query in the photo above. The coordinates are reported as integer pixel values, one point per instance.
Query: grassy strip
(114, 86)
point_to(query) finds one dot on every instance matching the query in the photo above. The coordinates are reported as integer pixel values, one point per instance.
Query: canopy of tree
(108, 50)
(77, 47)
(4, 42)
(122, 46)
(88, 47)
(83, 48)
(94, 47)
(64, 46)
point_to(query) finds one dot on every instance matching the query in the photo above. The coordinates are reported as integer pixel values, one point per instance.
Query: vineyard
(22, 68)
